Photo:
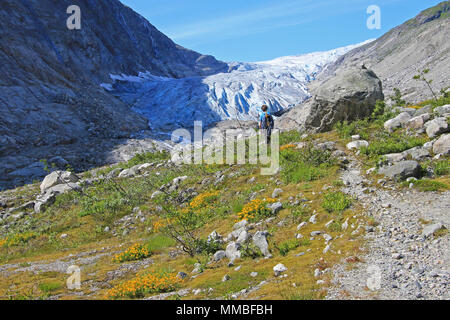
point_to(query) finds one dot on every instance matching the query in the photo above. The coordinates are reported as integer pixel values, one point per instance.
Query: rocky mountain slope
(50, 96)
(419, 43)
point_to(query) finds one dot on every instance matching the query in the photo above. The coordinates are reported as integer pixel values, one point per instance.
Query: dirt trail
(399, 262)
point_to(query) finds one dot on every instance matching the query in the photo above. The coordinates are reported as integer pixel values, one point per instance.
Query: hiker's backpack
(268, 121)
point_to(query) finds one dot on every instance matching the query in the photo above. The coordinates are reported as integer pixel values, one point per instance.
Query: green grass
(287, 246)
(307, 164)
(48, 287)
(159, 242)
(385, 143)
(441, 167)
(290, 137)
(427, 185)
(299, 212)
(336, 201)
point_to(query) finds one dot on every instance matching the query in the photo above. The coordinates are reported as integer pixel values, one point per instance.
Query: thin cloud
(259, 20)
(242, 20)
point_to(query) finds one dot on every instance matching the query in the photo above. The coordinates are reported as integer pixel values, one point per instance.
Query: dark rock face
(350, 95)
(419, 43)
(51, 101)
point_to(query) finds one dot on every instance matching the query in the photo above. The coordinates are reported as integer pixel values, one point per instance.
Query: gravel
(399, 261)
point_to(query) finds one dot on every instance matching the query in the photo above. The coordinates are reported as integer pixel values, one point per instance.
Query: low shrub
(146, 157)
(427, 185)
(203, 199)
(17, 239)
(384, 143)
(441, 167)
(208, 247)
(49, 287)
(305, 165)
(250, 250)
(287, 246)
(156, 282)
(255, 210)
(135, 252)
(336, 201)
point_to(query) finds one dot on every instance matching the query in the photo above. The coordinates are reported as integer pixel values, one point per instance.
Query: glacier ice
(170, 103)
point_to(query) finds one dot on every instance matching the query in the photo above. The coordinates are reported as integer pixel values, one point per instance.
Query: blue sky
(255, 30)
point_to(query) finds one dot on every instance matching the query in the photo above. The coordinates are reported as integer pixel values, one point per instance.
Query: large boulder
(399, 121)
(350, 95)
(442, 110)
(260, 240)
(436, 127)
(233, 252)
(416, 153)
(423, 110)
(393, 157)
(442, 145)
(56, 178)
(44, 201)
(402, 170)
(357, 144)
(418, 121)
(275, 207)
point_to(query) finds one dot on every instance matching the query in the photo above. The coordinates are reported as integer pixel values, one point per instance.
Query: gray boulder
(402, 170)
(240, 224)
(243, 237)
(63, 188)
(350, 95)
(429, 230)
(127, 173)
(391, 158)
(423, 110)
(57, 177)
(214, 237)
(418, 122)
(442, 109)
(219, 255)
(399, 121)
(275, 207)
(43, 201)
(416, 153)
(260, 240)
(410, 111)
(436, 127)
(279, 269)
(357, 144)
(113, 173)
(235, 234)
(276, 192)
(233, 252)
(442, 145)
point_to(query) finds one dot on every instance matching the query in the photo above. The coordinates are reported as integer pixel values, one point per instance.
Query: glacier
(170, 103)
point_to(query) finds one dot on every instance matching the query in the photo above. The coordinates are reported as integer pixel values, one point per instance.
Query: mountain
(169, 103)
(419, 43)
(51, 101)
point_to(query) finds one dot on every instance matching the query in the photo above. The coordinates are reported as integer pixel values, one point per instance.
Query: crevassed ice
(238, 94)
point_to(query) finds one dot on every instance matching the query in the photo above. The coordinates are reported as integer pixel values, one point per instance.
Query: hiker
(266, 122)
